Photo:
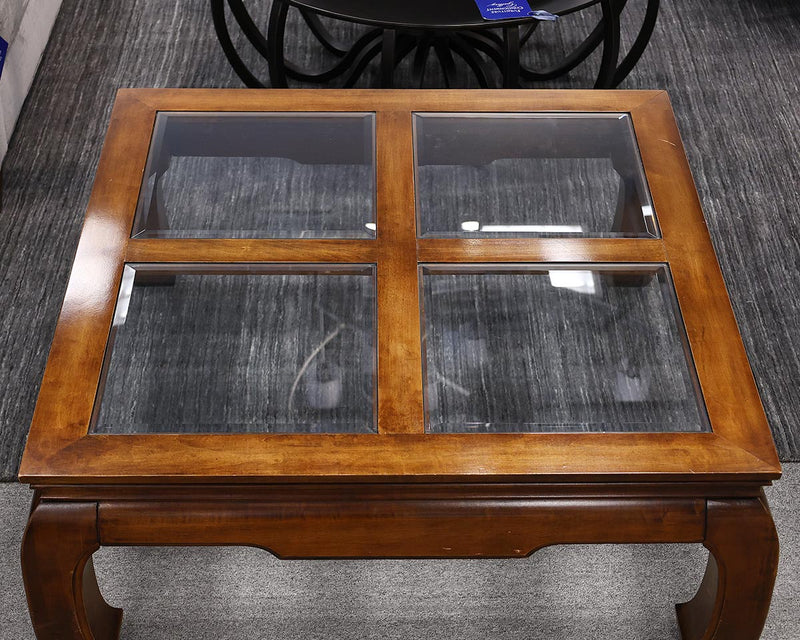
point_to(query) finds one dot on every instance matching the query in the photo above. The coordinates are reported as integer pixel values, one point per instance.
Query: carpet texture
(207, 354)
(729, 68)
(625, 592)
(513, 353)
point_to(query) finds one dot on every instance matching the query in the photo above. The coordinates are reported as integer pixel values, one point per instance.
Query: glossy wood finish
(540, 250)
(400, 492)
(229, 459)
(63, 597)
(733, 599)
(729, 391)
(385, 528)
(399, 353)
(400, 522)
(169, 250)
(60, 449)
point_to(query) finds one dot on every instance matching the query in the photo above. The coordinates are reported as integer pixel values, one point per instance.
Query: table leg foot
(734, 597)
(64, 599)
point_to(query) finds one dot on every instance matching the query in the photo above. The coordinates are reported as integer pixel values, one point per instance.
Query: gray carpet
(306, 177)
(513, 353)
(206, 354)
(505, 352)
(729, 68)
(625, 592)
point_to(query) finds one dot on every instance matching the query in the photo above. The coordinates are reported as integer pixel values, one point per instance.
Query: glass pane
(517, 175)
(532, 348)
(259, 175)
(279, 349)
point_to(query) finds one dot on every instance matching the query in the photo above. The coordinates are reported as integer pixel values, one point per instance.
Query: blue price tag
(3, 50)
(505, 9)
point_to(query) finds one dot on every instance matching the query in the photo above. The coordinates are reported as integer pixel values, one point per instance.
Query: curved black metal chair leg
(249, 28)
(421, 60)
(445, 56)
(388, 49)
(295, 73)
(607, 35)
(322, 34)
(639, 45)
(511, 58)
(576, 57)
(474, 61)
(529, 31)
(608, 63)
(484, 44)
(361, 62)
(223, 35)
(405, 45)
(276, 31)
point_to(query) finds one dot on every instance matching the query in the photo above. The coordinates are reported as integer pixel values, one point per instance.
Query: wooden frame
(59, 449)
(410, 490)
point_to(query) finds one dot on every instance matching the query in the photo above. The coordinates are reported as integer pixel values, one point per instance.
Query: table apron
(402, 528)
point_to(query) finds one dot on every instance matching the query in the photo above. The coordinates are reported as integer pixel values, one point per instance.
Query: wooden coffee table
(396, 324)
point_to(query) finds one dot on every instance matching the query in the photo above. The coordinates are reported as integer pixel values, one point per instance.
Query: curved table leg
(63, 597)
(733, 599)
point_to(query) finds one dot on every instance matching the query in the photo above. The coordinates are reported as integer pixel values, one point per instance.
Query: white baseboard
(22, 60)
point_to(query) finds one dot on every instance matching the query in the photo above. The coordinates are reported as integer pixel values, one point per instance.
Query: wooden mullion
(541, 250)
(260, 250)
(399, 348)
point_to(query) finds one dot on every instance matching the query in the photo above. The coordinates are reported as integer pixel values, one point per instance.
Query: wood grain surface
(59, 449)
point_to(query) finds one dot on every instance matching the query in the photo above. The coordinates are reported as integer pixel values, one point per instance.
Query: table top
(396, 285)
(443, 14)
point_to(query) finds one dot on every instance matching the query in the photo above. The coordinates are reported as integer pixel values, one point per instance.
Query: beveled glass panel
(530, 175)
(537, 348)
(241, 349)
(259, 175)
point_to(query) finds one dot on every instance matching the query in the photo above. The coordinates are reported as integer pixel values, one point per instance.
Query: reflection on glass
(533, 348)
(259, 175)
(545, 174)
(204, 349)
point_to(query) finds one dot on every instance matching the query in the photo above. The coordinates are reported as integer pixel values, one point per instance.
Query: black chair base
(488, 50)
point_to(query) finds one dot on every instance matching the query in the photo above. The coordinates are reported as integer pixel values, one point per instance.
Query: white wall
(26, 26)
